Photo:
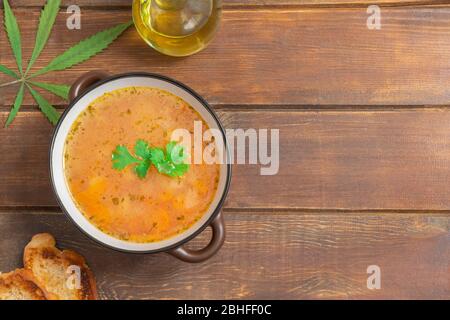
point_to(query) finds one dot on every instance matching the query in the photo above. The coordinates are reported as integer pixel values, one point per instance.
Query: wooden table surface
(364, 151)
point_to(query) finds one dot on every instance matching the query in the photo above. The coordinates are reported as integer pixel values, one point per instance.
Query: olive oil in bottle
(177, 27)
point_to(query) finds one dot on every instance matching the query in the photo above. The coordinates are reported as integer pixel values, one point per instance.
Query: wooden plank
(347, 159)
(327, 57)
(127, 3)
(267, 256)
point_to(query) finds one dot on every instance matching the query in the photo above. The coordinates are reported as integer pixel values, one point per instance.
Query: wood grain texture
(267, 256)
(328, 57)
(359, 141)
(226, 3)
(346, 159)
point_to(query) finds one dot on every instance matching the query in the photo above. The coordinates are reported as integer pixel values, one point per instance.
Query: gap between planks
(55, 210)
(283, 6)
(327, 6)
(286, 108)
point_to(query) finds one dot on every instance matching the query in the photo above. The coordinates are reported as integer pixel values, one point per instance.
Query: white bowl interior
(57, 162)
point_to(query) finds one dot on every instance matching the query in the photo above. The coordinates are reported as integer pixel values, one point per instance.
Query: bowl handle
(217, 240)
(85, 81)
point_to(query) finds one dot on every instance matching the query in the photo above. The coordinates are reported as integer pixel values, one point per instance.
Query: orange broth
(118, 202)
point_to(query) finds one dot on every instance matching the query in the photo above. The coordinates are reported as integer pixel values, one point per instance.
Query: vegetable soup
(128, 204)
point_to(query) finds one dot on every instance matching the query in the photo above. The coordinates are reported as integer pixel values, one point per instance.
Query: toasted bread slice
(19, 285)
(63, 274)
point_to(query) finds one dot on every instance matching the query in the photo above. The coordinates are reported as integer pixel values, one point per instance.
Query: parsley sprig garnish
(169, 162)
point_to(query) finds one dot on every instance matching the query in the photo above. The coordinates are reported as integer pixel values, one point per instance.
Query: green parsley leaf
(178, 170)
(168, 162)
(157, 155)
(142, 149)
(142, 168)
(165, 167)
(175, 152)
(172, 164)
(122, 158)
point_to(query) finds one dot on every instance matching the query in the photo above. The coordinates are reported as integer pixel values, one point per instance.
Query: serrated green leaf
(180, 170)
(164, 167)
(46, 22)
(170, 169)
(85, 49)
(157, 155)
(170, 163)
(12, 29)
(121, 158)
(175, 152)
(16, 106)
(142, 149)
(57, 89)
(146, 156)
(8, 71)
(47, 109)
(142, 168)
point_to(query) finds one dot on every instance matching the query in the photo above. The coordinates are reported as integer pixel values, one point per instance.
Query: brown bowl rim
(204, 104)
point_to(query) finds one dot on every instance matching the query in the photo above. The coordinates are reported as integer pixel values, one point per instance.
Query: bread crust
(42, 250)
(20, 285)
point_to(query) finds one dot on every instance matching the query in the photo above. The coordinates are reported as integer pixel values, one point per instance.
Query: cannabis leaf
(17, 104)
(81, 52)
(45, 106)
(12, 29)
(8, 72)
(58, 89)
(84, 49)
(46, 22)
(168, 162)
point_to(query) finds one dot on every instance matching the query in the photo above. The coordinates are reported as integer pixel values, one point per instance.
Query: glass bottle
(177, 27)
